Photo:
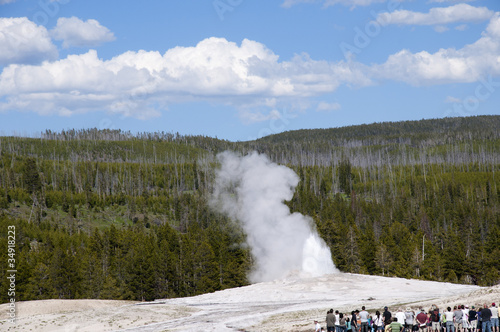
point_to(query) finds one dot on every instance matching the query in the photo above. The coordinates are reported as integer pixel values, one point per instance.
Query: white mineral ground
(291, 304)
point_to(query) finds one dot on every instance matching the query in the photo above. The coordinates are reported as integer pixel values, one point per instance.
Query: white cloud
(248, 76)
(462, 27)
(328, 107)
(452, 100)
(75, 32)
(3, 2)
(436, 16)
(24, 42)
(467, 64)
(214, 70)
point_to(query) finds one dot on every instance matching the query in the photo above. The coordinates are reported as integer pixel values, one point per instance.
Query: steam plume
(251, 190)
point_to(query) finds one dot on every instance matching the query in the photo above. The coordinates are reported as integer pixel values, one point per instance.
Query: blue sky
(241, 69)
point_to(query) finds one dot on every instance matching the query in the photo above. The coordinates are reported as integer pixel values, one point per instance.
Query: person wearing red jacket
(422, 320)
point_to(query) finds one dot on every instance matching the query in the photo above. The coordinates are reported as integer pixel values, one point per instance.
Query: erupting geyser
(252, 190)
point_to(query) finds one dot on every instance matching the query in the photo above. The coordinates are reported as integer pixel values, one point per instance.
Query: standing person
(465, 317)
(330, 321)
(448, 315)
(472, 319)
(354, 322)
(435, 319)
(429, 321)
(486, 319)
(400, 316)
(443, 321)
(457, 317)
(363, 317)
(494, 318)
(479, 320)
(342, 323)
(378, 322)
(387, 318)
(396, 326)
(337, 321)
(409, 319)
(358, 322)
(422, 320)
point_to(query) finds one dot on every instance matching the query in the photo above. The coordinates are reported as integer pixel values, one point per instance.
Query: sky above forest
(242, 69)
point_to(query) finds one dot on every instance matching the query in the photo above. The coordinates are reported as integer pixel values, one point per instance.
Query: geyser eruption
(252, 190)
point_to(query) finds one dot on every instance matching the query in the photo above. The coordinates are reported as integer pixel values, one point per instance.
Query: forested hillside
(114, 215)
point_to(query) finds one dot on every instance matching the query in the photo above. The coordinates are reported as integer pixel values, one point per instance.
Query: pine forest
(108, 214)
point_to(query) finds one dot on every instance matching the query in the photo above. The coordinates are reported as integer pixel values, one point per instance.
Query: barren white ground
(283, 305)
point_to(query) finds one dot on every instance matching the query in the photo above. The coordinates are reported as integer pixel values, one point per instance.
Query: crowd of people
(461, 318)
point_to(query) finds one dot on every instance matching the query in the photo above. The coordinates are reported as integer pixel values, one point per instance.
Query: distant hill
(456, 140)
(485, 127)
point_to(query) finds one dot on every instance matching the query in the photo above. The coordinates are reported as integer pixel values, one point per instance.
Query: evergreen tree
(31, 176)
(345, 176)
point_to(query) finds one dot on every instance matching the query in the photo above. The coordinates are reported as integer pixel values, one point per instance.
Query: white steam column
(252, 190)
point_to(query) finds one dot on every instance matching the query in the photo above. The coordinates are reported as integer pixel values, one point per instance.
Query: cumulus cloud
(24, 42)
(75, 32)
(215, 70)
(467, 64)
(444, 15)
(248, 76)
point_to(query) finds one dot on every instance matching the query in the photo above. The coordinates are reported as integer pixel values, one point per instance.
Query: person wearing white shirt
(363, 317)
(448, 315)
(400, 316)
(494, 318)
(378, 321)
(465, 317)
(409, 319)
